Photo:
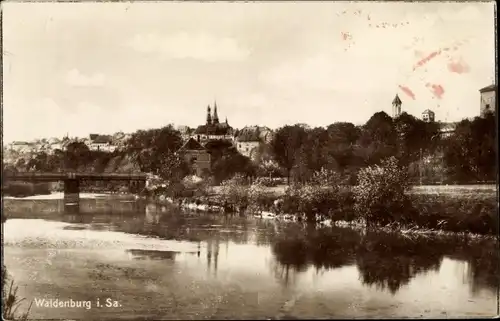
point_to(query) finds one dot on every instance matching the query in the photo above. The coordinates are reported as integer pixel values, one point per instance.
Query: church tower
(216, 117)
(396, 107)
(209, 117)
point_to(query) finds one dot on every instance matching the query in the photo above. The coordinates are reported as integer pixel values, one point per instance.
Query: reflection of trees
(484, 263)
(323, 248)
(390, 261)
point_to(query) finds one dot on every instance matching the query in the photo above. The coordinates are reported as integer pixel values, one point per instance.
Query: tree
(378, 138)
(470, 153)
(415, 138)
(230, 164)
(76, 155)
(286, 143)
(342, 141)
(149, 148)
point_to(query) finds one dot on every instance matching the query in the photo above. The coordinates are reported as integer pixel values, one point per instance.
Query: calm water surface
(159, 263)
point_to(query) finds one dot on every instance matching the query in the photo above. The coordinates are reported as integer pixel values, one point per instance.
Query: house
(428, 116)
(102, 143)
(447, 129)
(488, 100)
(196, 155)
(22, 147)
(213, 129)
(250, 139)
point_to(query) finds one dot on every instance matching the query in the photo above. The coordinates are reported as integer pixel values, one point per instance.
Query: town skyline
(342, 62)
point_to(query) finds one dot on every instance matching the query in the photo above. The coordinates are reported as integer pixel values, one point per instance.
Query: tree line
(297, 151)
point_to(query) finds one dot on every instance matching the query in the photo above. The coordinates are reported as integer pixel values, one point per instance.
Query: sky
(80, 68)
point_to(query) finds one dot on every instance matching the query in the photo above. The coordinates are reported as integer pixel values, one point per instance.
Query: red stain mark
(459, 66)
(407, 91)
(426, 59)
(437, 90)
(346, 36)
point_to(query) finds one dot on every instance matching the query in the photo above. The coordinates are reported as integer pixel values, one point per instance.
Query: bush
(235, 191)
(23, 189)
(330, 202)
(380, 196)
(325, 177)
(259, 198)
(266, 181)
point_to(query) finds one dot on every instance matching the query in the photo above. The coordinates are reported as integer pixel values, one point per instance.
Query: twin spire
(213, 120)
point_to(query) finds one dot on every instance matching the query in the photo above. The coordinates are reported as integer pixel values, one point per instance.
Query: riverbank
(437, 210)
(60, 196)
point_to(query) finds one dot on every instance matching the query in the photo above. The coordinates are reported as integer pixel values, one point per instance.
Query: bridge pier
(71, 194)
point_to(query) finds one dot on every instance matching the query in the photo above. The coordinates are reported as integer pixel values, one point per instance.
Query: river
(153, 262)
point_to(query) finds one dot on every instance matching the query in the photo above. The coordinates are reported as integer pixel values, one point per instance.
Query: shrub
(325, 177)
(380, 194)
(312, 200)
(266, 181)
(235, 191)
(259, 198)
(22, 189)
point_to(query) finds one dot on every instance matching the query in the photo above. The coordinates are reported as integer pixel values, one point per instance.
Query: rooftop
(489, 88)
(191, 144)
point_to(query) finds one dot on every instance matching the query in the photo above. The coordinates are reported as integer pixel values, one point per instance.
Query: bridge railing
(75, 175)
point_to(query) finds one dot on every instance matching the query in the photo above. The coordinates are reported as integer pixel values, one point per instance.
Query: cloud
(75, 78)
(199, 46)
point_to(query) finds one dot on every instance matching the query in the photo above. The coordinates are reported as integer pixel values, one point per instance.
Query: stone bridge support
(137, 186)
(72, 194)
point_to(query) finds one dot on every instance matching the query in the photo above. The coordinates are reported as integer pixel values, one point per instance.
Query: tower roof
(396, 100)
(492, 87)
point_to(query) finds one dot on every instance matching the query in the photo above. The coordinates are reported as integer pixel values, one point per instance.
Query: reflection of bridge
(72, 180)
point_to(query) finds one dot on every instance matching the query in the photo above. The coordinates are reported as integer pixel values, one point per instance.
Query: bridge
(72, 180)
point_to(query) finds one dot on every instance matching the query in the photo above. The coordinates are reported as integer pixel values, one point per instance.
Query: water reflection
(158, 248)
(385, 261)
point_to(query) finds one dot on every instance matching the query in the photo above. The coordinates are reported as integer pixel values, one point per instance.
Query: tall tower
(396, 107)
(216, 117)
(209, 117)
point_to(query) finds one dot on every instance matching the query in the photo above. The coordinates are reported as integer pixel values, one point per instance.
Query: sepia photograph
(268, 160)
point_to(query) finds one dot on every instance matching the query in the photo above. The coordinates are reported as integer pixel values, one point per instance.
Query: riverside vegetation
(356, 174)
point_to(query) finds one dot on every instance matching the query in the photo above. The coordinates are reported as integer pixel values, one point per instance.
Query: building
(196, 155)
(428, 116)
(250, 138)
(396, 107)
(213, 129)
(103, 143)
(488, 100)
(22, 147)
(447, 129)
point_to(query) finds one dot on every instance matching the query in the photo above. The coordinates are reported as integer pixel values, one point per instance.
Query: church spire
(396, 107)
(216, 117)
(209, 117)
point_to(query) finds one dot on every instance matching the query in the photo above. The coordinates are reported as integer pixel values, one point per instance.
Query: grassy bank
(474, 213)
(23, 189)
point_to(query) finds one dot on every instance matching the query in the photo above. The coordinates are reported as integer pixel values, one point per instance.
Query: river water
(153, 262)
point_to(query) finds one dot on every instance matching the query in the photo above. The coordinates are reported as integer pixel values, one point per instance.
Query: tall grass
(11, 300)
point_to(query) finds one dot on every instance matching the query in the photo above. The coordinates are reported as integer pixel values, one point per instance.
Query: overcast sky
(88, 67)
